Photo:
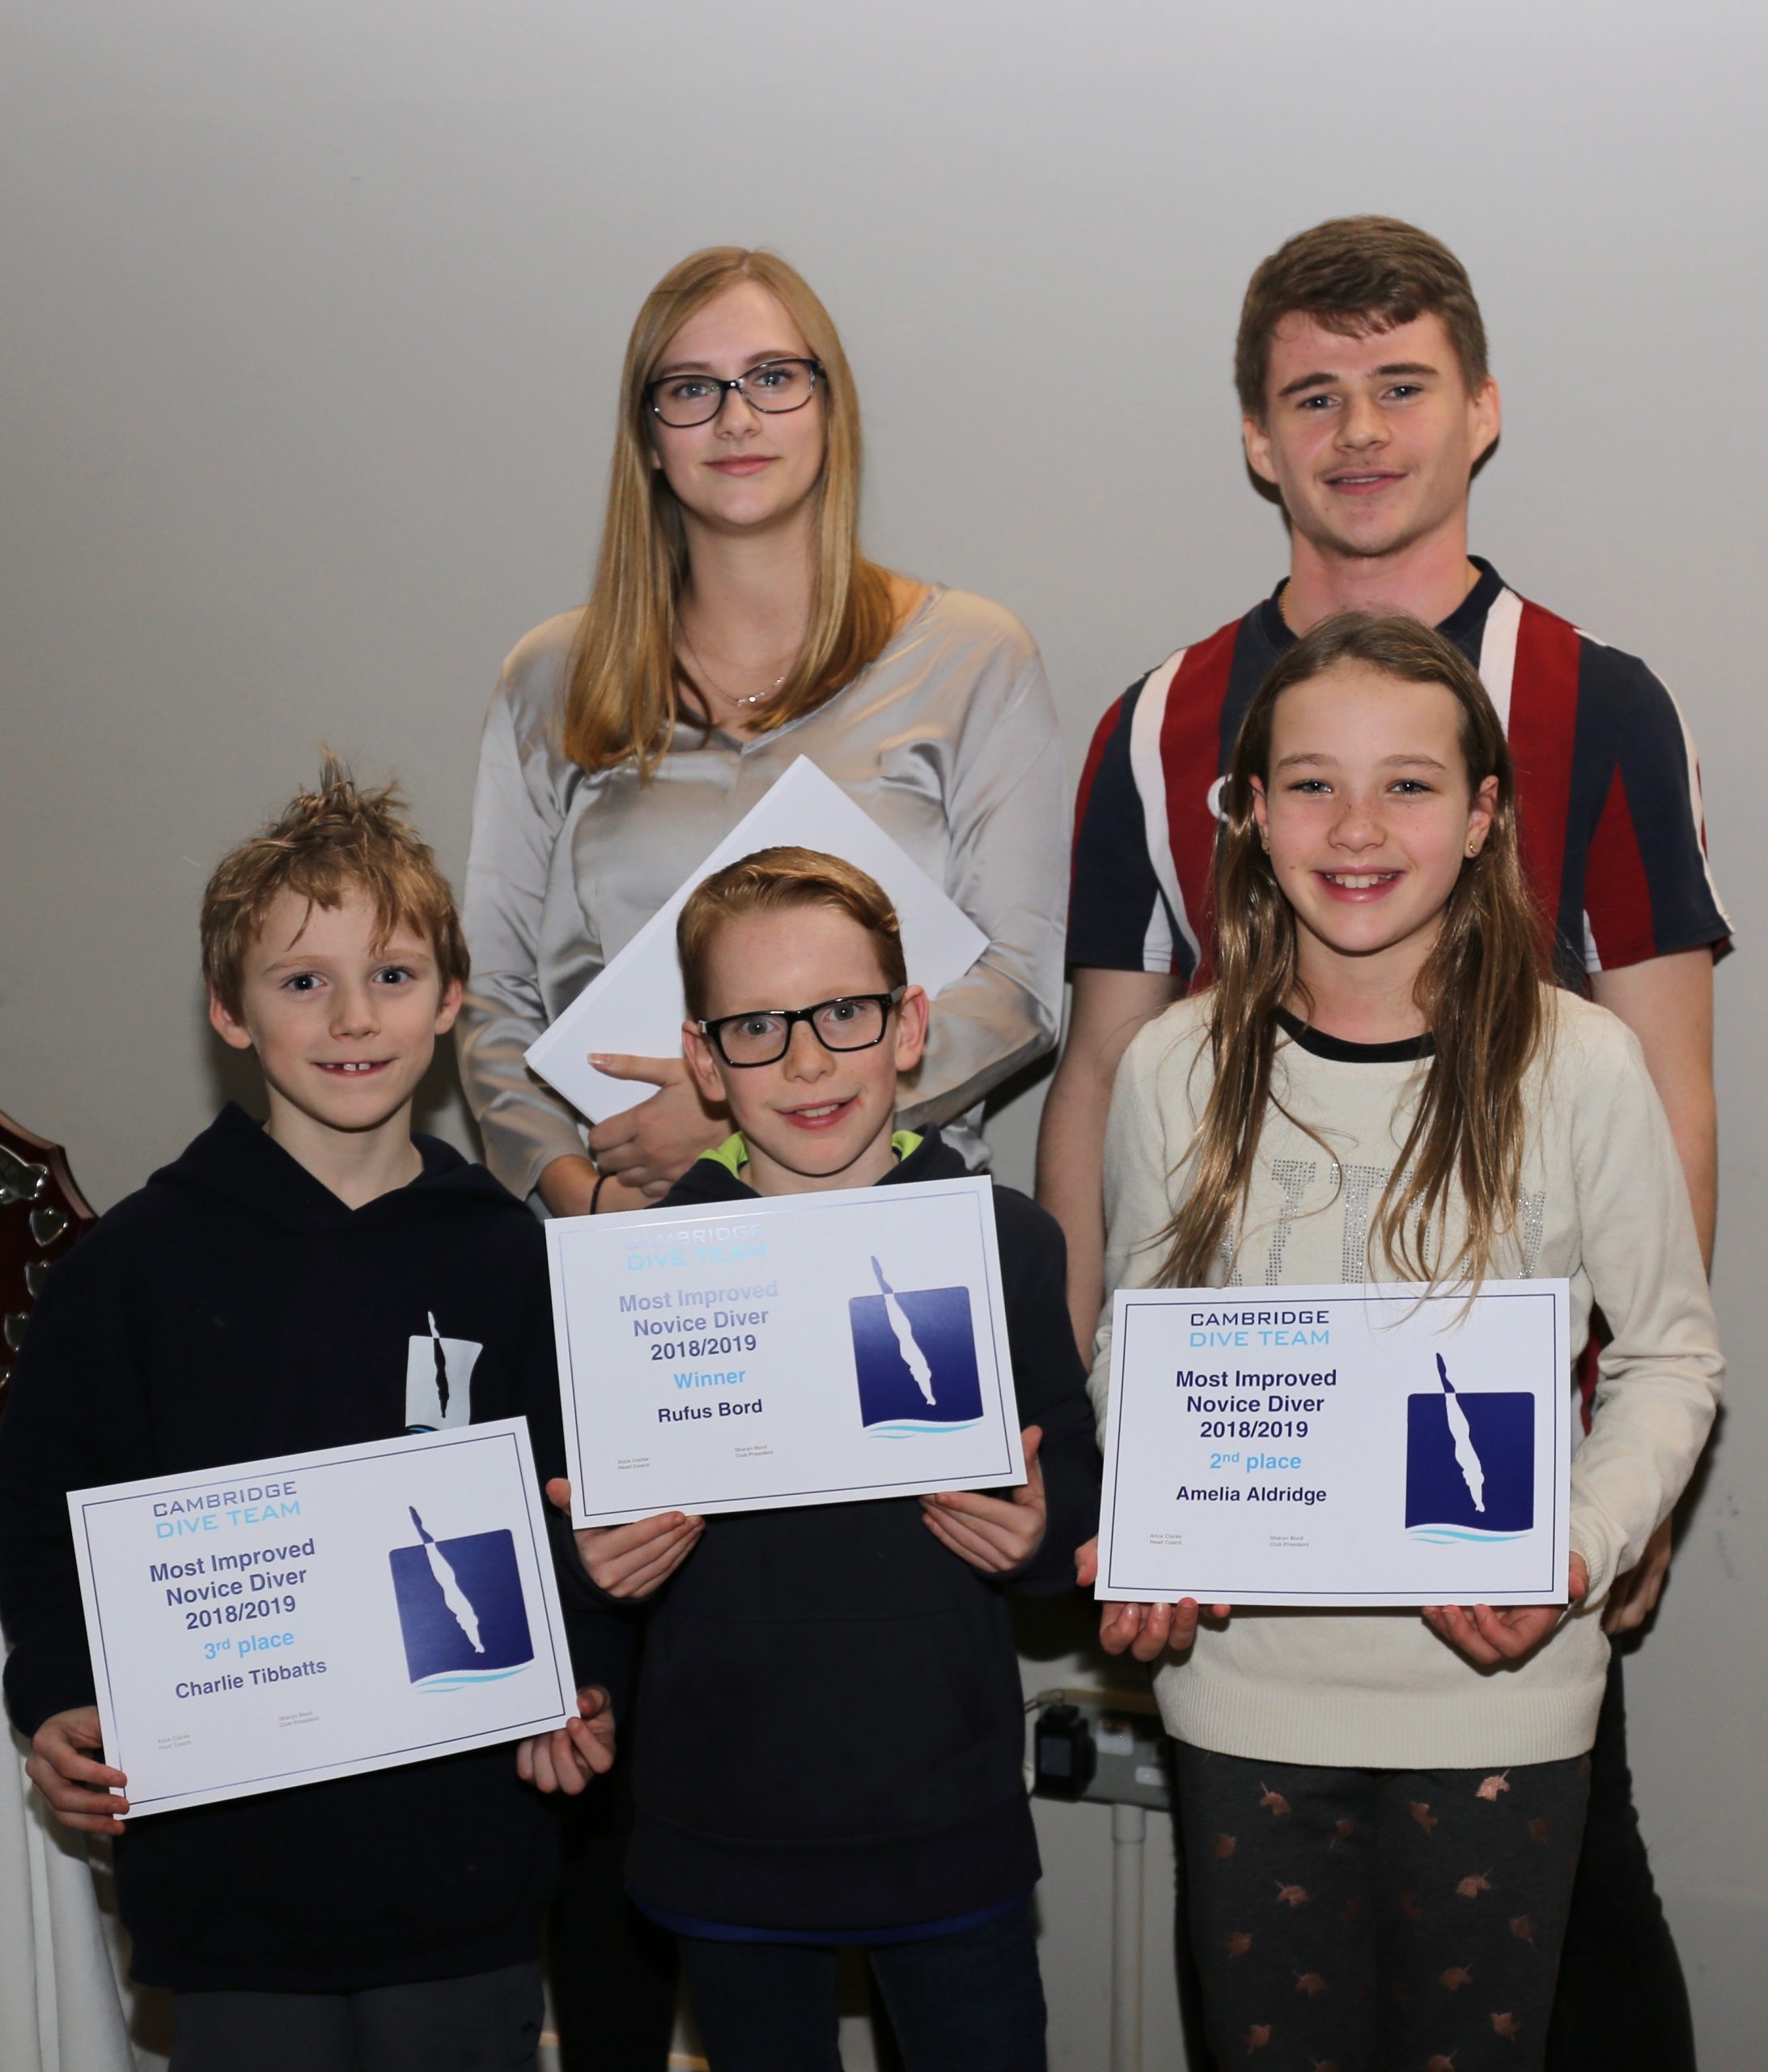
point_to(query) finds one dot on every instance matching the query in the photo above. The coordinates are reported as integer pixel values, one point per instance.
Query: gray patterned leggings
(1378, 1920)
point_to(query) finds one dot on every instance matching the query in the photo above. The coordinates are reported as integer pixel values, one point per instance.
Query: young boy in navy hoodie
(833, 1733)
(277, 1289)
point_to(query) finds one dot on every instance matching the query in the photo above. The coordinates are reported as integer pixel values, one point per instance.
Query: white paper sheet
(635, 1005)
(816, 1348)
(285, 1621)
(1338, 1445)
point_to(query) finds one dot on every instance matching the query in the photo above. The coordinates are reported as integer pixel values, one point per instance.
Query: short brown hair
(1354, 275)
(771, 881)
(324, 844)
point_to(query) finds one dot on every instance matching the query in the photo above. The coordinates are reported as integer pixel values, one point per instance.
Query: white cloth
(58, 1989)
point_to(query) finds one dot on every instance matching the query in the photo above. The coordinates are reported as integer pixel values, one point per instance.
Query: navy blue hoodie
(233, 1309)
(831, 1725)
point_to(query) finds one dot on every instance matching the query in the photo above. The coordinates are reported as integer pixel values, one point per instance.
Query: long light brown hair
(624, 684)
(1481, 991)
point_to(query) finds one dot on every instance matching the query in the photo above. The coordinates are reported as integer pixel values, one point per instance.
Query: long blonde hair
(1481, 991)
(624, 685)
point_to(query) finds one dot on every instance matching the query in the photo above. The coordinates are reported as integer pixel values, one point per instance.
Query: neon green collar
(733, 1154)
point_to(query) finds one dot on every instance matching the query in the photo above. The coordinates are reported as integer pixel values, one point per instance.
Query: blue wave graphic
(1440, 1535)
(462, 1681)
(914, 1429)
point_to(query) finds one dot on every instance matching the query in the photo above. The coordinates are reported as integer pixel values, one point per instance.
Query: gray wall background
(313, 317)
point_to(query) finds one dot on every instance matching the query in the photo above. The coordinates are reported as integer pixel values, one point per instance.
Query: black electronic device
(1063, 1756)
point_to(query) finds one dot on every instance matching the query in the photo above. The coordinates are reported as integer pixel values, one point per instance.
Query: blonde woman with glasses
(733, 626)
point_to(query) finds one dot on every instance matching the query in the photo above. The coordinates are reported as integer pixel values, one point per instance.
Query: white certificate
(1338, 1445)
(285, 1620)
(814, 1349)
(635, 1005)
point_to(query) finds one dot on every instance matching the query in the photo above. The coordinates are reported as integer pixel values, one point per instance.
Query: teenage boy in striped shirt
(1366, 404)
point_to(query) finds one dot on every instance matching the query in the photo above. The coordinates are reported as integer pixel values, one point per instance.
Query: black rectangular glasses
(763, 1036)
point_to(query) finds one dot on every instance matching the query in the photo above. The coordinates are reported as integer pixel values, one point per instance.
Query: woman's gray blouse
(948, 740)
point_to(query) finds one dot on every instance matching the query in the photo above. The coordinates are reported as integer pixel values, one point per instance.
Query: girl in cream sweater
(1382, 1809)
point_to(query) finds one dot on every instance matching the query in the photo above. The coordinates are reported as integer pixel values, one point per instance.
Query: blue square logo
(914, 1358)
(1469, 1462)
(460, 1608)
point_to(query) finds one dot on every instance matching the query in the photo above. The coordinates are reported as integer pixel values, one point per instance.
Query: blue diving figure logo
(1469, 1462)
(460, 1608)
(914, 1359)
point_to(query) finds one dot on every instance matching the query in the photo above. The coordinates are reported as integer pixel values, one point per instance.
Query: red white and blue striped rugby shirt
(1607, 780)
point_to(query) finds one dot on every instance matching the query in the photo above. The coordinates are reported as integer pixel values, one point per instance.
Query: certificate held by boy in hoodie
(814, 1349)
(282, 1621)
(1343, 1445)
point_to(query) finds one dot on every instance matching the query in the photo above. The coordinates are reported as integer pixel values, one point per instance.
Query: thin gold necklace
(729, 697)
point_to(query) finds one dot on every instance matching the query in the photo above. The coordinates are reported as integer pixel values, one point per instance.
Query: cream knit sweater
(1604, 1205)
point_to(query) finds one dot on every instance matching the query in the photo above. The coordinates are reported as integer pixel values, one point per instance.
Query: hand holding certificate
(1360, 1445)
(273, 1623)
(635, 1008)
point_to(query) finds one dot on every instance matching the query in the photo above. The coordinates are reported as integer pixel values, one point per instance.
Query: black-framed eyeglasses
(762, 1037)
(774, 386)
